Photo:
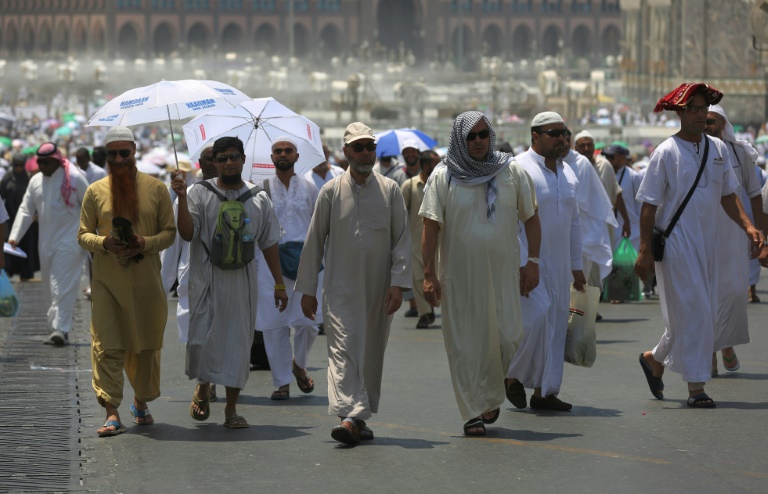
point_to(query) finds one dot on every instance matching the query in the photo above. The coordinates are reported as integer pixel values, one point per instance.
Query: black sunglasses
(358, 147)
(555, 132)
(222, 158)
(711, 121)
(483, 134)
(124, 153)
(282, 150)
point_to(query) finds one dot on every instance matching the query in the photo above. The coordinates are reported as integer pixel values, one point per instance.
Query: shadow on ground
(214, 431)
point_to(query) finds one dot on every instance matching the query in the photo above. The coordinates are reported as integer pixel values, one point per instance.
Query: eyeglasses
(222, 158)
(124, 153)
(283, 150)
(358, 147)
(696, 109)
(555, 133)
(710, 121)
(483, 134)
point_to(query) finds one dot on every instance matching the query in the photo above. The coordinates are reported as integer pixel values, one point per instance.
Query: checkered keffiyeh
(466, 170)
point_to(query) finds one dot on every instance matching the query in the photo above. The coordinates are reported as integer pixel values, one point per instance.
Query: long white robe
(223, 302)
(368, 250)
(688, 275)
(596, 212)
(732, 326)
(480, 280)
(629, 181)
(174, 263)
(539, 363)
(319, 181)
(61, 258)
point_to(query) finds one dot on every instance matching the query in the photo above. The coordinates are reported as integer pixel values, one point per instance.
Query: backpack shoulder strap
(266, 188)
(252, 192)
(210, 187)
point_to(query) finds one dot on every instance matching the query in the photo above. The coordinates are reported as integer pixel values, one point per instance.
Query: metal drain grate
(39, 407)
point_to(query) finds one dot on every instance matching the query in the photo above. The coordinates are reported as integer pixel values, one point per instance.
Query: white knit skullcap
(119, 133)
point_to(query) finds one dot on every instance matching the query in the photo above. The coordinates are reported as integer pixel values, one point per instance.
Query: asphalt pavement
(617, 438)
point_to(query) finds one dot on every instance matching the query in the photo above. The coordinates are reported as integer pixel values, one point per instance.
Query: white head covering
(119, 133)
(545, 118)
(583, 134)
(286, 138)
(410, 143)
(730, 136)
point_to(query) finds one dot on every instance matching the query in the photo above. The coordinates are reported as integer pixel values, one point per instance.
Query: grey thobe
(367, 251)
(222, 302)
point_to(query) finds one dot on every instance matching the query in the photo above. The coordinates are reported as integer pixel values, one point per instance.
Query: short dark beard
(230, 179)
(283, 166)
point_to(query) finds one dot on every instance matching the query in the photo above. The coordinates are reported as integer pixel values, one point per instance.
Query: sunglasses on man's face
(483, 134)
(358, 147)
(222, 158)
(710, 121)
(124, 153)
(282, 150)
(696, 109)
(555, 133)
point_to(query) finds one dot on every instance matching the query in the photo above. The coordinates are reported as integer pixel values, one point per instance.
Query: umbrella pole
(173, 139)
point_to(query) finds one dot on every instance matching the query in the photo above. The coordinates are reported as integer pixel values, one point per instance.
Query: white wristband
(534, 260)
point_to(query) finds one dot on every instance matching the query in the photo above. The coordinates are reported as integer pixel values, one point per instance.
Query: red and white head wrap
(681, 96)
(50, 150)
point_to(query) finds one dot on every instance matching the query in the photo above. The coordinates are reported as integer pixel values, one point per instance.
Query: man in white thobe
(472, 205)
(92, 171)
(325, 171)
(688, 272)
(629, 180)
(55, 195)
(538, 363)
(732, 327)
(293, 198)
(389, 167)
(360, 225)
(223, 302)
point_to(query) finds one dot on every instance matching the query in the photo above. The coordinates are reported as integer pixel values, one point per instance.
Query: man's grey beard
(362, 169)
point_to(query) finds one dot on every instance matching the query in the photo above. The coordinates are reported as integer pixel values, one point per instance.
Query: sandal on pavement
(366, 434)
(141, 417)
(476, 423)
(516, 395)
(701, 400)
(494, 416)
(116, 429)
(729, 365)
(346, 432)
(204, 410)
(280, 394)
(236, 422)
(306, 385)
(655, 383)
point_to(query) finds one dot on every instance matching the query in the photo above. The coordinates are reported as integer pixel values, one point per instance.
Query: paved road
(617, 437)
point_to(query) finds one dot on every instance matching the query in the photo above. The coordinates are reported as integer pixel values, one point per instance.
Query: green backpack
(233, 245)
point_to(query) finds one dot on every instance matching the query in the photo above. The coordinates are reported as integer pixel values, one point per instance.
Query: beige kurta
(413, 194)
(608, 177)
(128, 305)
(480, 279)
(367, 251)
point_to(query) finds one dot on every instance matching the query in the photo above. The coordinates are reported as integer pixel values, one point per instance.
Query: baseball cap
(356, 131)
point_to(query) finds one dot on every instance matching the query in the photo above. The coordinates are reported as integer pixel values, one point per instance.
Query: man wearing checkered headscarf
(475, 201)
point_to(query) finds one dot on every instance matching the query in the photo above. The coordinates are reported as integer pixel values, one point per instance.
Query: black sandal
(701, 400)
(493, 419)
(476, 423)
(655, 384)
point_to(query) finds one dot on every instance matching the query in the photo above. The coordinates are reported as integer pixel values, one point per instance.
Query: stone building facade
(668, 42)
(430, 29)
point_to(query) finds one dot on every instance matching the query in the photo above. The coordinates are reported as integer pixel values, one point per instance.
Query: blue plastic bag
(9, 303)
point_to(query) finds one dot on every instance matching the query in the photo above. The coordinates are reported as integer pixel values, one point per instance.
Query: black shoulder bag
(660, 236)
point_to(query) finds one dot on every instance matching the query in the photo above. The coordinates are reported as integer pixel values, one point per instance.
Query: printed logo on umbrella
(133, 103)
(224, 91)
(309, 132)
(202, 104)
(110, 118)
(202, 131)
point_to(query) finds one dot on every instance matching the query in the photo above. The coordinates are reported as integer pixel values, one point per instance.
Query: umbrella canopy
(258, 123)
(166, 100)
(389, 143)
(5, 140)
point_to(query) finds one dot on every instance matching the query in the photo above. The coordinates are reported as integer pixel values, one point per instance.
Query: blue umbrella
(389, 143)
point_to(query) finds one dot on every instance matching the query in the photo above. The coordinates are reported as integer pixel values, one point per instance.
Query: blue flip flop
(141, 414)
(119, 429)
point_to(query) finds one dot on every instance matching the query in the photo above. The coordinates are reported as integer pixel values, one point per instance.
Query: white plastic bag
(581, 340)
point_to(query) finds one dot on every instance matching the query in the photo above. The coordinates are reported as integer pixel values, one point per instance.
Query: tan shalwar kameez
(128, 305)
(363, 229)
(413, 194)
(480, 278)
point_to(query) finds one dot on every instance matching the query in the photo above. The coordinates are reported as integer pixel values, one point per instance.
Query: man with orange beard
(129, 308)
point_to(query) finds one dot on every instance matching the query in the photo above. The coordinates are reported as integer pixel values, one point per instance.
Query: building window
(328, 5)
(298, 5)
(128, 4)
(197, 4)
(491, 5)
(163, 4)
(466, 5)
(581, 6)
(552, 6)
(610, 6)
(521, 5)
(267, 5)
(231, 4)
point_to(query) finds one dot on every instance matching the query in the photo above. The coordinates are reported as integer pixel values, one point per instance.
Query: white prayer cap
(119, 133)
(545, 118)
(207, 146)
(583, 134)
(410, 143)
(285, 138)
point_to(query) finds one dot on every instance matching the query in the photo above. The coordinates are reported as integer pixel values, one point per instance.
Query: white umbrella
(258, 123)
(166, 100)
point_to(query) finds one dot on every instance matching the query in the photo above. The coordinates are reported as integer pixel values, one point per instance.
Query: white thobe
(294, 207)
(223, 302)
(368, 250)
(480, 280)
(629, 181)
(61, 257)
(319, 181)
(539, 363)
(93, 172)
(174, 265)
(732, 326)
(688, 275)
(596, 213)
